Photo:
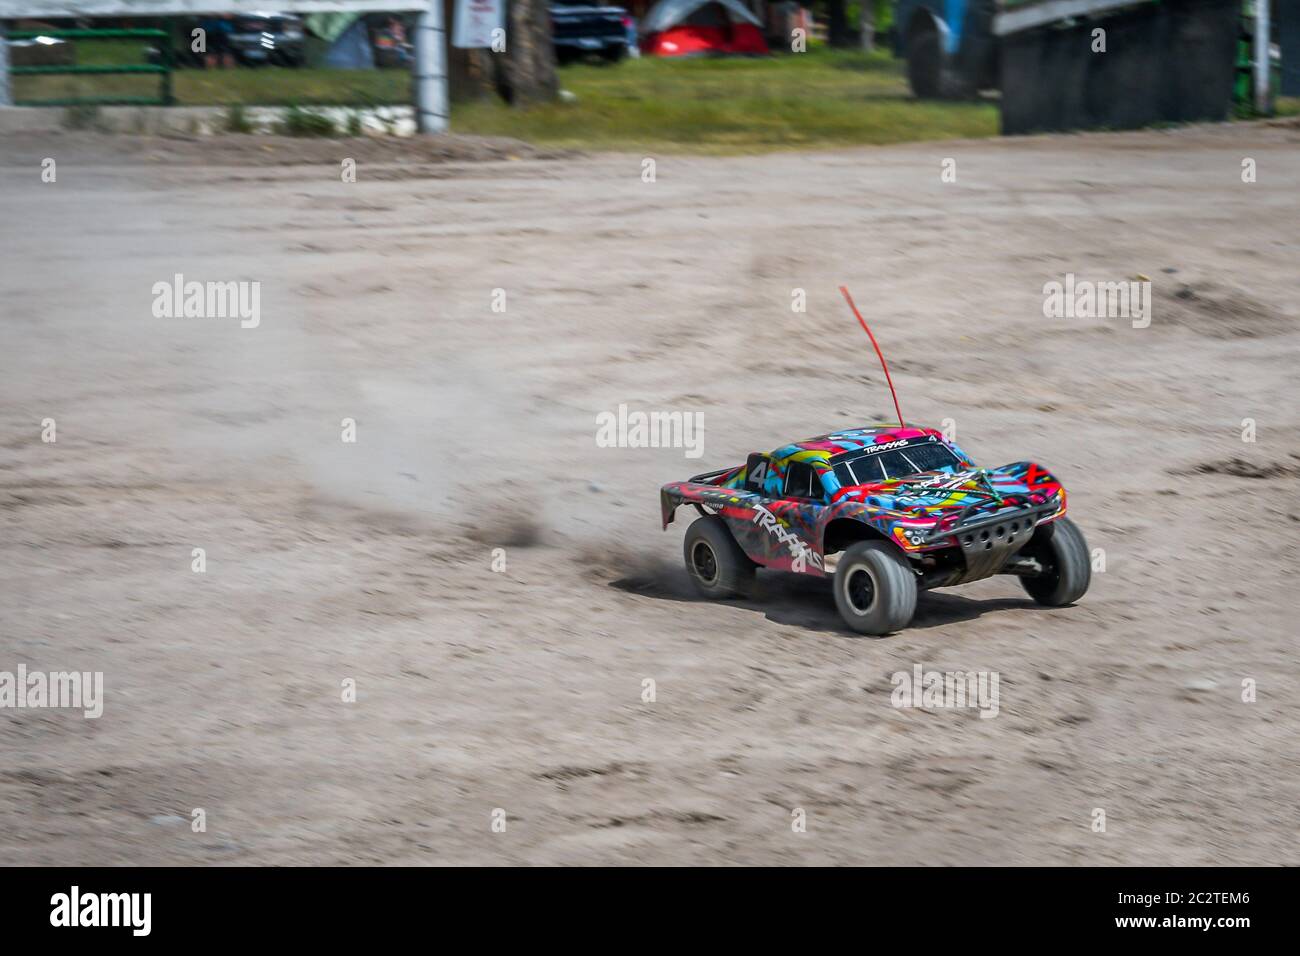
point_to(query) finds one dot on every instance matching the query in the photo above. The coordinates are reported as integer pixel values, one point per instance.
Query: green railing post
(165, 55)
(164, 69)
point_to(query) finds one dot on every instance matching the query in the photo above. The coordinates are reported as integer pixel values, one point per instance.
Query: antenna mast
(861, 321)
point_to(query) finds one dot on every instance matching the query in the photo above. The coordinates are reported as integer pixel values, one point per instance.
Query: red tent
(701, 28)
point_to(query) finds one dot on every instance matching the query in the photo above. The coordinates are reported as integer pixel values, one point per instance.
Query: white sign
(475, 21)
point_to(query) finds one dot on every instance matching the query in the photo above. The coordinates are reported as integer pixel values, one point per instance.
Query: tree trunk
(867, 24)
(472, 74)
(525, 73)
(837, 24)
(469, 72)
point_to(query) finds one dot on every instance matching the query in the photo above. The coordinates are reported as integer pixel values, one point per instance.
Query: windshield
(897, 463)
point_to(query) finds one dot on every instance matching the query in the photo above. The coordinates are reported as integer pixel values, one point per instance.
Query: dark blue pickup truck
(580, 29)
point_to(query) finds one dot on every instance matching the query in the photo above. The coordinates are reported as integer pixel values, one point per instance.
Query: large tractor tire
(925, 63)
(931, 72)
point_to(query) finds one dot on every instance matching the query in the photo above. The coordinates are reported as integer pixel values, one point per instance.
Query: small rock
(222, 847)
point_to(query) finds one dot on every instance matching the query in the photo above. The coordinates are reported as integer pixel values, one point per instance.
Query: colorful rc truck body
(884, 512)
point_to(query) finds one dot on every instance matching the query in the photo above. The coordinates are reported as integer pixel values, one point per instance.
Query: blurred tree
(867, 24)
(524, 73)
(837, 24)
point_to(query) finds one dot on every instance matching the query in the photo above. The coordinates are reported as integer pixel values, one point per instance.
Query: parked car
(249, 39)
(258, 39)
(42, 51)
(578, 30)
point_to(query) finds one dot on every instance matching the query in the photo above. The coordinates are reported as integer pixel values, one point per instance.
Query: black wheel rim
(860, 589)
(1049, 572)
(705, 562)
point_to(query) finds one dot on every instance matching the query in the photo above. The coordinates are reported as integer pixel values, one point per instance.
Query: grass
(822, 98)
(301, 122)
(266, 86)
(815, 99)
(1288, 106)
(236, 120)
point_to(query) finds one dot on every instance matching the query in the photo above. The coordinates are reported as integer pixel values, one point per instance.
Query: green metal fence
(163, 69)
(1243, 88)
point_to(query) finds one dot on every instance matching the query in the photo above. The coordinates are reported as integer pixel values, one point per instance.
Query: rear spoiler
(697, 491)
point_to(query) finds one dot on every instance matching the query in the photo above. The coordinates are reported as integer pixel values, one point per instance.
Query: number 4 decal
(760, 473)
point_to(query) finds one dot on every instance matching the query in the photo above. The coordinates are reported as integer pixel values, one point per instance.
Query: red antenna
(863, 322)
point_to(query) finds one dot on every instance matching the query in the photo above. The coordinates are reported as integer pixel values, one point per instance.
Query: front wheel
(1066, 569)
(875, 589)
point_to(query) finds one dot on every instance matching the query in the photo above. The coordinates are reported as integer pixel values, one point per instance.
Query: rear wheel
(875, 589)
(718, 566)
(1066, 570)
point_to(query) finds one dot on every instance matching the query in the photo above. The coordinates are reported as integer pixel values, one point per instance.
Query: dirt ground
(522, 690)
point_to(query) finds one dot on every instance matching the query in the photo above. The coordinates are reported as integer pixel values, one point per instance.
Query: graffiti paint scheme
(786, 532)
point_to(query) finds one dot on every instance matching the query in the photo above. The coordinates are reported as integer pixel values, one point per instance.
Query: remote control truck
(884, 512)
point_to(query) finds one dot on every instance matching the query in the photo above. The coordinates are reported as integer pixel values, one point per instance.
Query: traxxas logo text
(901, 443)
(802, 554)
